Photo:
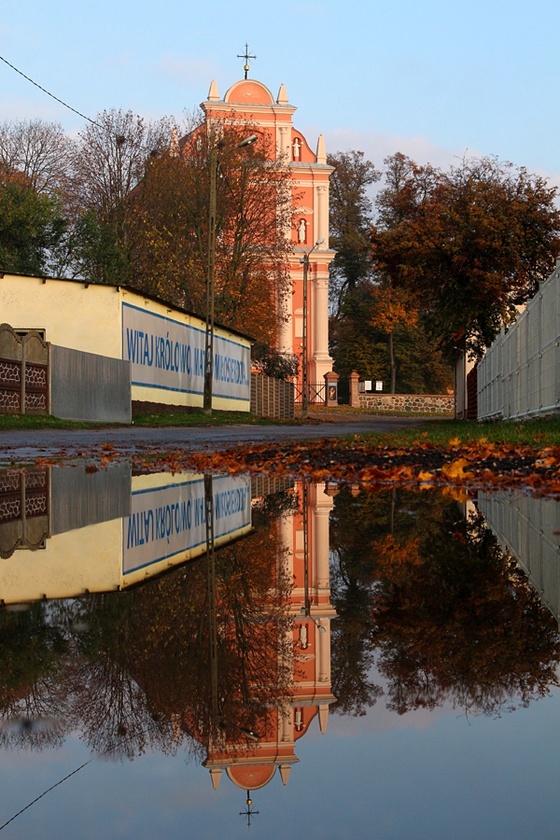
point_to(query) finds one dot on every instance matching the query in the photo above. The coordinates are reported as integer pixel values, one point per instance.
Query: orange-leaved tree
(471, 243)
(170, 218)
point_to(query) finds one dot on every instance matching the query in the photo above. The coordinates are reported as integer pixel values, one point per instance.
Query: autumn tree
(40, 150)
(459, 622)
(469, 245)
(365, 329)
(394, 309)
(429, 599)
(109, 162)
(253, 214)
(374, 327)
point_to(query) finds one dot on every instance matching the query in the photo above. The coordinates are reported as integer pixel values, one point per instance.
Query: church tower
(304, 310)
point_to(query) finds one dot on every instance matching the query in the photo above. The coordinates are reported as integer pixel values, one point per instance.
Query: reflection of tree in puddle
(430, 598)
(31, 657)
(168, 653)
(131, 670)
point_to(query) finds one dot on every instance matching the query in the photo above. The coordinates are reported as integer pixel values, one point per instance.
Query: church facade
(249, 101)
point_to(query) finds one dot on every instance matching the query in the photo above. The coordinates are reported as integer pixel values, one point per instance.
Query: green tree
(363, 332)
(350, 221)
(354, 342)
(31, 226)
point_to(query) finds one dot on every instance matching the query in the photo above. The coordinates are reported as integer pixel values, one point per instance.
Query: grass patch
(14, 422)
(443, 433)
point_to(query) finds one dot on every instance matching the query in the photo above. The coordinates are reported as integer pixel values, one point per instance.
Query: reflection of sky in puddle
(422, 774)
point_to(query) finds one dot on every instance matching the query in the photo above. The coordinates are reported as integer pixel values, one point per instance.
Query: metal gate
(316, 393)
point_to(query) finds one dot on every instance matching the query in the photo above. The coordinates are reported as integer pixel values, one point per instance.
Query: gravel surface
(27, 445)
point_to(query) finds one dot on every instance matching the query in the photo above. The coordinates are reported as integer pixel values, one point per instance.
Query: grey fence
(85, 386)
(527, 527)
(519, 377)
(272, 398)
(79, 498)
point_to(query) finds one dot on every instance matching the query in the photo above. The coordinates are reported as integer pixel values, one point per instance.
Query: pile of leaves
(468, 464)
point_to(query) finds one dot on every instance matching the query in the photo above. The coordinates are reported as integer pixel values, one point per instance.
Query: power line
(83, 116)
(68, 776)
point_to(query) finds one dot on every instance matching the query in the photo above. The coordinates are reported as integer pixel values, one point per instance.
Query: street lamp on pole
(304, 344)
(211, 271)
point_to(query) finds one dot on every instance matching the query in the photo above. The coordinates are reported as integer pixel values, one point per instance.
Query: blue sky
(428, 776)
(433, 79)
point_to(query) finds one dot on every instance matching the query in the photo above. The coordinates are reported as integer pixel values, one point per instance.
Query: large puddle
(186, 655)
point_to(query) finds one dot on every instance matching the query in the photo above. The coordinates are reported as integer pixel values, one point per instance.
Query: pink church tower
(252, 102)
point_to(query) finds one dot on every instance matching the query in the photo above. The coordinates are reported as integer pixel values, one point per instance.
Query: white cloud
(377, 146)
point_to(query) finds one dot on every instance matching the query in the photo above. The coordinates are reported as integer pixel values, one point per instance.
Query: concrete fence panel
(24, 372)
(519, 377)
(272, 398)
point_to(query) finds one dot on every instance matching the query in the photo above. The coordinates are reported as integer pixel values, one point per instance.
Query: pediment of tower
(249, 92)
(251, 777)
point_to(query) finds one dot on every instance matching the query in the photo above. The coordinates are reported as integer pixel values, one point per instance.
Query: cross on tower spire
(246, 56)
(248, 802)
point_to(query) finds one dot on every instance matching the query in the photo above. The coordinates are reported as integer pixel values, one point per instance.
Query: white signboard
(167, 354)
(170, 520)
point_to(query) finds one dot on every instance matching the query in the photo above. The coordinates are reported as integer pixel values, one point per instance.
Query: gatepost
(354, 392)
(331, 388)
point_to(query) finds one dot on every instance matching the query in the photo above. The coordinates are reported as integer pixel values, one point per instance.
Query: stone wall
(421, 403)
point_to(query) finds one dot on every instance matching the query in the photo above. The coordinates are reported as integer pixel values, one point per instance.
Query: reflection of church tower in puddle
(305, 536)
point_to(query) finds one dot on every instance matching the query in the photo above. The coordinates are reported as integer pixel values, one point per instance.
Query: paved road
(25, 446)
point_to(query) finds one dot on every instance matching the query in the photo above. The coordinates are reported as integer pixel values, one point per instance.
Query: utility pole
(305, 342)
(211, 270)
